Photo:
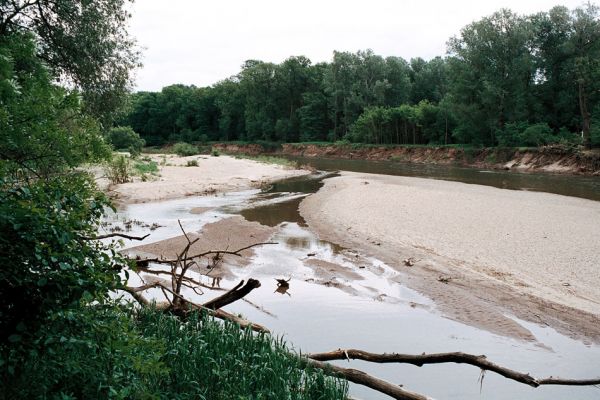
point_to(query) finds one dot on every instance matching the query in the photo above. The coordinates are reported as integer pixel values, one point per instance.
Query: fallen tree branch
(110, 235)
(136, 293)
(362, 378)
(456, 357)
(203, 254)
(233, 295)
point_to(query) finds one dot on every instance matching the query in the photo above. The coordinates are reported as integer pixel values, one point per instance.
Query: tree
(585, 46)
(85, 44)
(125, 138)
(491, 75)
(47, 207)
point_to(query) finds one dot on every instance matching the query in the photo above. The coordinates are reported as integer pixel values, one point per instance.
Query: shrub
(124, 138)
(185, 149)
(146, 167)
(538, 135)
(510, 136)
(203, 138)
(192, 163)
(117, 170)
(215, 152)
(46, 263)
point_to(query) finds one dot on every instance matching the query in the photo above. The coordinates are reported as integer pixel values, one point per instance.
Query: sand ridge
(533, 255)
(212, 175)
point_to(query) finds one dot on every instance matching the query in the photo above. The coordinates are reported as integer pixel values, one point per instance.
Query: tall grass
(108, 352)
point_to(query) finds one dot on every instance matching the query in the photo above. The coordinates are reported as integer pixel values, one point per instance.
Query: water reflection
(587, 187)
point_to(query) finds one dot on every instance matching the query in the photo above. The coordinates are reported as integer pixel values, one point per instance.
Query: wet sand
(229, 234)
(481, 253)
(212, 175)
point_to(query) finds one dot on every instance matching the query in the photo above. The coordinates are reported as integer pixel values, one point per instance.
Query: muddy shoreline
(549, 159)
(474, 287)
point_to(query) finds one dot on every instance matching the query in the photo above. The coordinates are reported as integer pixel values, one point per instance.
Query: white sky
(202, 42)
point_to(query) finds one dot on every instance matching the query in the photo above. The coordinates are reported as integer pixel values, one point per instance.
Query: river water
(315, 317)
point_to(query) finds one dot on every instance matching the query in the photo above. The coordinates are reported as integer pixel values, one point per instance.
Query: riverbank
(175, 179)
(549, 159)
(481, 253)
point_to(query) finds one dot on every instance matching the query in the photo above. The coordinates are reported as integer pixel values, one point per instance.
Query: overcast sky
(203, 42)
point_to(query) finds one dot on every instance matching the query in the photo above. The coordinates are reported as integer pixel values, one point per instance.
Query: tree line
(507, 79)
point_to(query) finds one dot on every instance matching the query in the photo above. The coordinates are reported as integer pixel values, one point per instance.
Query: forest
(507, 80)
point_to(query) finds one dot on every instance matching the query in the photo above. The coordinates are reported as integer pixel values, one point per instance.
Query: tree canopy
(504, 72)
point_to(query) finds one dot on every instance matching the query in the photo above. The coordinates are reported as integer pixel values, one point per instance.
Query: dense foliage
(124, 138)
(502, 73)
(64, 69)
(105, 352)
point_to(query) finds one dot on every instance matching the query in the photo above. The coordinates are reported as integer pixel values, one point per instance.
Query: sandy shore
(213, 174)
(481, 252)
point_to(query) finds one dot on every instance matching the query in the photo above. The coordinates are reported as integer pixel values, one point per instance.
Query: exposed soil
(555, 159)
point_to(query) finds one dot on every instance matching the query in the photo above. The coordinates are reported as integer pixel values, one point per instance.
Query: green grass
(116, 352)
(145, 167)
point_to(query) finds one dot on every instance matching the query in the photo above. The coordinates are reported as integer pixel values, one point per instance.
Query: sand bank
(481, 252)
(213, 174)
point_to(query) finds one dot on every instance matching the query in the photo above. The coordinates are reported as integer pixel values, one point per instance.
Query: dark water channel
(587, 187)
(315, 317)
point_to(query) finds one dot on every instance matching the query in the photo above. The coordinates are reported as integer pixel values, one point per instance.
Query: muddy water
(361, 304)
(587, 187)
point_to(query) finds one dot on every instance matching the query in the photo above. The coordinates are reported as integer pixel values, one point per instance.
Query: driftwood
(110, 235)
(234, 294)
(188, 305)
(457, 357)
(179, 304)
(362, 378)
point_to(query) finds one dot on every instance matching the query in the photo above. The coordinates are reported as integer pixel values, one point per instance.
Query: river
(345, 313)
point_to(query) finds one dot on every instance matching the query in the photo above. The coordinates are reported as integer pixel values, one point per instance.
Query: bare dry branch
(204, 254)
(456, 357)
(233, 295)
(109, 235)
(362, 378)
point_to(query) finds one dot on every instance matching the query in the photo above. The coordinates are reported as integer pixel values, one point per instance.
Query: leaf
(14, 338)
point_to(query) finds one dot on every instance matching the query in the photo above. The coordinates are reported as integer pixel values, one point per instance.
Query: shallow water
(314, 318)
(587, 187)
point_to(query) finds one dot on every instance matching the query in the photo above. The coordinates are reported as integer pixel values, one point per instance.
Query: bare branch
(109, 235)
(362, 378)
(233, 295)
(206, 253)
(456, 357)
(136, 293)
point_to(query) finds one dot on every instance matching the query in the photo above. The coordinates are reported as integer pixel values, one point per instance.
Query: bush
(124, 138)
(192, 163)
(185, 149)
(117, 170)
(538, 135)
(522, 134)
(215, 152)
(47, 264)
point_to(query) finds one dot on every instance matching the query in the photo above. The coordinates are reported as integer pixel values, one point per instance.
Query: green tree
(85, 44)
(585, 46)
(125, 138)
(491, 74)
